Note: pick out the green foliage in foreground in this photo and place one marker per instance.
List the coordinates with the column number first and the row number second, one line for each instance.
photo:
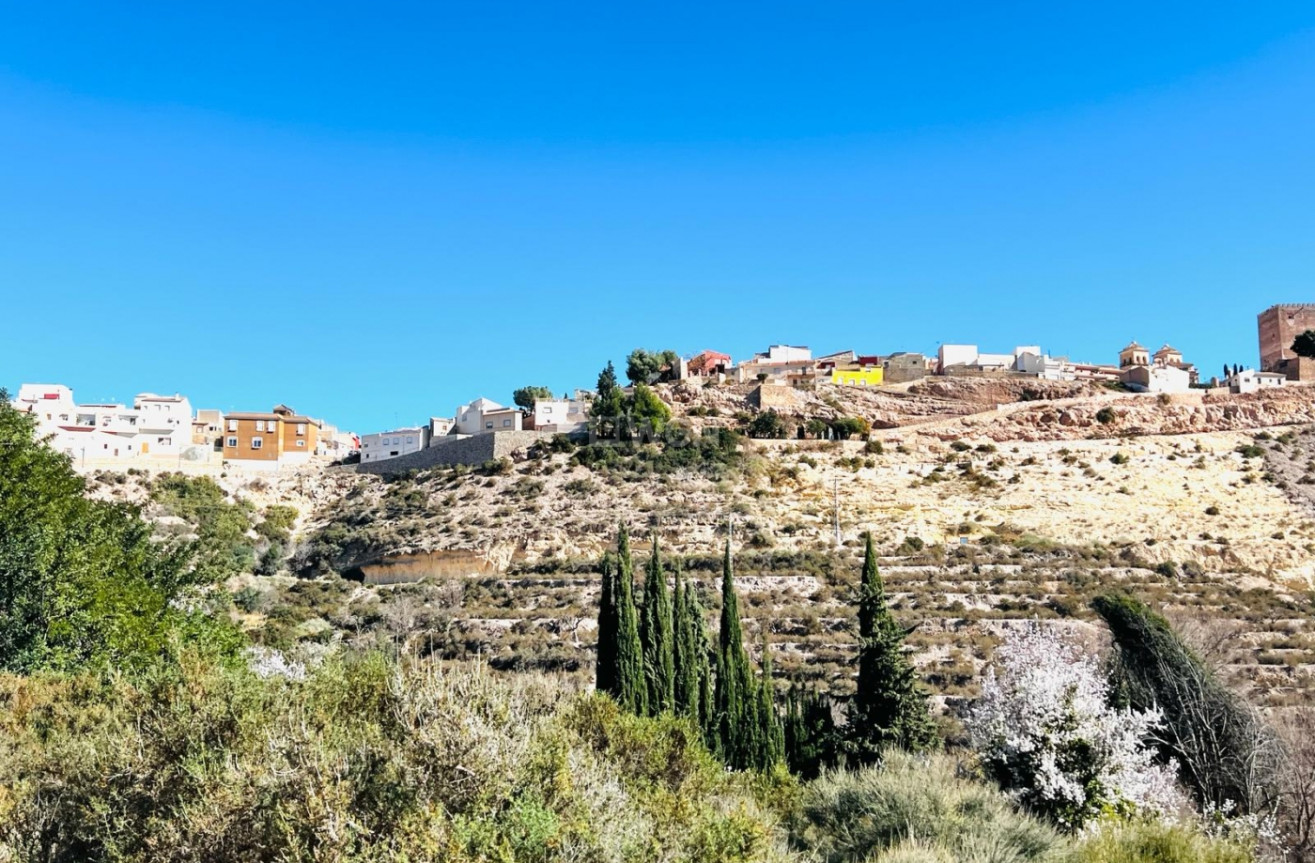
column 368, row 759
column 930, row 809
column 82, row 581
column 364, row 760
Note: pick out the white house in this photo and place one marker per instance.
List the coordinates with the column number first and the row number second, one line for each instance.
column 390, row 444
column 1250, row 381
column 1045, row 367
column 968, row 357
column 560, row 415
column 470, row 417
column 1157, row 379
column 164, row 423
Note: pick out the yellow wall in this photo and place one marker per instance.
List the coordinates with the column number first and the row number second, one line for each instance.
column 857, row 377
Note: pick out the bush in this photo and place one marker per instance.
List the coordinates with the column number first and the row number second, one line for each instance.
column 1105, row 416
column 913, row 805
column 1118, row 458
column 362, row 760
column 1046, row 732
column 1151, row 842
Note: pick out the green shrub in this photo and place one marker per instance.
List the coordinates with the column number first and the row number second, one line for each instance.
column 1105, row 416
column 913, row 805
column 1152, row 842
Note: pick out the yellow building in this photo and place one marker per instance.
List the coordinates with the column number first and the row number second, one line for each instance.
column 862, row 377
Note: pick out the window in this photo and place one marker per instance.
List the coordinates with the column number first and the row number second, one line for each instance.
column 301, row 443
column 257, row 443
column 231, row 442
column 301, row 428
column 506, row 423
column 489, row 424
column 232, row 425
column 547, row 409
column 410, row 439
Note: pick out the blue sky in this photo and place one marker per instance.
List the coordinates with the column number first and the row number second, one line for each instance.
column 375, row 213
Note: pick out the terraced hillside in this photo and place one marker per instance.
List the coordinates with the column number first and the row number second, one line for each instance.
column 541, row 616
column 984, row 515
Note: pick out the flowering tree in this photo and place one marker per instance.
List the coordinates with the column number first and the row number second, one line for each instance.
column 1045, row 730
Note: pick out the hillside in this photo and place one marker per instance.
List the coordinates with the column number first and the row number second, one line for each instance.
column 984, row 512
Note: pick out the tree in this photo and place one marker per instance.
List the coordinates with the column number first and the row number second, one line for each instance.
column 889, row 707
column 645, row 406
column 631, row 687
column 1304, row 344
column 607, row 674
column 81, row 581
column 1227, row 753
column 655, row 632
column 846, row 427
column 767, row 424
column 644, row 367
column 607, row 406
column 1046, row 731
column 735, row 696
column 809, row 732
column 525, row 397
column 769, row 743
column 693, row 673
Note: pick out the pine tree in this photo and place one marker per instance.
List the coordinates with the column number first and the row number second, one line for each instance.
column 631, row 689
column 655, row 631
column 605, row 678
column 684, row 689
column 735, row 703
column 889, row 707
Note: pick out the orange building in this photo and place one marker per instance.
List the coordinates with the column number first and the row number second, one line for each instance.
column 271, row 439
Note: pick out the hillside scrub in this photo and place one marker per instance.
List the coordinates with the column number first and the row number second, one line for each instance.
column 365, row 759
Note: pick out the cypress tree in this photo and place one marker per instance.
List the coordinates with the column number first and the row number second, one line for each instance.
column 770, row 743
column 632, row 691
column 605, row 678
column 889, row 706
column 809, row 733
column 684, row 690
column 655, row 631
column 735, row 703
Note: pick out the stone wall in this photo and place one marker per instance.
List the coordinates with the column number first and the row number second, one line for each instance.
column 472, row 450
column 774, row 396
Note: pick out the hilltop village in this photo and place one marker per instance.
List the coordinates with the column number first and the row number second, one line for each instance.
column 165, row 432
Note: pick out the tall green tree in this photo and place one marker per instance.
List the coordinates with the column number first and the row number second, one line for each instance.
column 811, row 740
column 693, row 690
column 81, row 581
column 631, row 686
column 769, row 744
column 608, row 405
column 735, row 696
column 656, row 634
column 889, row 707
column 606, row 670
column 650, row 367
column 1225, row 750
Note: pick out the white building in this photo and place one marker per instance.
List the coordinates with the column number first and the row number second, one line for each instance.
column 470, row 417
column 1250, row 381
column 155, row 425
column 1046, row 367
column 1157, row 379
column 391, row 444
column 1024, row 358
column 560, row 415
column 485, row 415
column 164, row 423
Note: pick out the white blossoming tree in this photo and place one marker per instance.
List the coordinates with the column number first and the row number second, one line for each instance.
column 1045, row 730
